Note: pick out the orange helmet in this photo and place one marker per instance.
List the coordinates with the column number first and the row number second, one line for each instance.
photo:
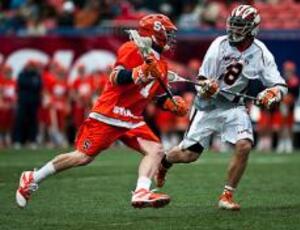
column 160, row 28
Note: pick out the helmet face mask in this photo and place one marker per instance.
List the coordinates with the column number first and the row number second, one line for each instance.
column 171, row 40
column 242, row 24
column 238, row 29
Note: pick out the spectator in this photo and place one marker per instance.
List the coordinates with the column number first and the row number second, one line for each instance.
column 285, row 113
column 210, row 14
column 14, row 4
column 81, row 95
column 36, row 17
column 190, row 18
column 7, row 105
column 29, row 86
column 59, row 106
column 89, row 15
column 66, row 18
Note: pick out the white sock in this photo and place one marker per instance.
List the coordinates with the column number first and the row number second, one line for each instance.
column 289, row 145
column 47, row 170
column 143, row 183
column 228, row 188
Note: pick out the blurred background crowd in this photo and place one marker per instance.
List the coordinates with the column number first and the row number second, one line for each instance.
column 41, row 106
column 37, row 17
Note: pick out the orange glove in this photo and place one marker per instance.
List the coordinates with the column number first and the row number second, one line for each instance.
column 154, row 69
column 181, row 107
column 269, row 97
column 147, row 71
column 209, row 88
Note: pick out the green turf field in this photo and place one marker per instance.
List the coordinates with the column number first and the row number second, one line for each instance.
column 97, row 196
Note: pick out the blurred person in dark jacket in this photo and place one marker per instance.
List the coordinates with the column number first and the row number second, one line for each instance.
column 29, row 87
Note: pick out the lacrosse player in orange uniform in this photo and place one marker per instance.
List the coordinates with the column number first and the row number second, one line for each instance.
column 117, row 115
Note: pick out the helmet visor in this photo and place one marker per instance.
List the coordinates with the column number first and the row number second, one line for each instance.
column 171, row 39
column 238, row 29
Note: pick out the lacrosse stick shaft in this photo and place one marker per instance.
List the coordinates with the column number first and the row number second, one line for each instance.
column 176, row 78
column 239, row 95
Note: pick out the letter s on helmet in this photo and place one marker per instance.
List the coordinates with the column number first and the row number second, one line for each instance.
column 159, row 28
column 242, row 24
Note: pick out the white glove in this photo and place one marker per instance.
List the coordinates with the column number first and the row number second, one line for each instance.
column 208, row 89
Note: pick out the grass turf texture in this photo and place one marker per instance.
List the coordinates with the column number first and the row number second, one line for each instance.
column 97, row 196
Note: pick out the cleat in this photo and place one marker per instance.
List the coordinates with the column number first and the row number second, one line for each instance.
column 160, row 177
column 144, row 198
column 26, row 187
column 226, row 202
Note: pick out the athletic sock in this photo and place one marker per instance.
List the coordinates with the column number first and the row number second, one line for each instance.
column 47, row 170
column 165, row 163
column 228, row 188
column 143, row 183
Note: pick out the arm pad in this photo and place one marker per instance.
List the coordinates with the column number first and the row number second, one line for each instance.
column 160, row 100
column 121, row 77
column 124, row 77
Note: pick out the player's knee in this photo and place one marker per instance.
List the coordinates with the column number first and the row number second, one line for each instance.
column 243, row 147
column 157, row 150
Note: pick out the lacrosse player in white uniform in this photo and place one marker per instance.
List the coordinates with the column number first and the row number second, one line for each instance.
column 229, row 64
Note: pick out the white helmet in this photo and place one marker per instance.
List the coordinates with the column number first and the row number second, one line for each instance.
column 243, row 23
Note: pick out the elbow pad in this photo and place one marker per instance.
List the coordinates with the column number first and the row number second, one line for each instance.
column 120, row 76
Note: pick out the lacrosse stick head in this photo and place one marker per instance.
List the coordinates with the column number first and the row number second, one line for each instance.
column 143, row 43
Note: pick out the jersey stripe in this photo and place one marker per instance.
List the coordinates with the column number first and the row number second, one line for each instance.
column 115, row 122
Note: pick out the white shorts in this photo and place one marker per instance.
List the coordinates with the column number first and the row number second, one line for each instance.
column 231, row 124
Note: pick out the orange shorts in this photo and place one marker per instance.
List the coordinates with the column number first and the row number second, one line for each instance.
column 95, row 136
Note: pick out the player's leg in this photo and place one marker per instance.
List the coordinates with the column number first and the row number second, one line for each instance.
column 89, row 143
column 196, row 138
column 176, row 155
column 144, row 141
column 238, row 162
column 152, row 155
column 238, row 131
column 29, row 180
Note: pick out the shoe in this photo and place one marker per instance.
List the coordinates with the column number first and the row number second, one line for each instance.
column 17, row 146
column 26, row 187
column 226, row 202
column 160, row 177
column 32, row 146
column 144, row 198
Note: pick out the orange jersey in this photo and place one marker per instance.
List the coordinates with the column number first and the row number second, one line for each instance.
column 84, row 87
column 57, row 90
column 123, row 105
column 8, row 90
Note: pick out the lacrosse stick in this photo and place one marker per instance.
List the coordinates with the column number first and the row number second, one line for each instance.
column 144, row 45
column 174, row 77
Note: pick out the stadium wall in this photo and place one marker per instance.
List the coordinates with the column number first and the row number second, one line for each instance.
column 98, row 51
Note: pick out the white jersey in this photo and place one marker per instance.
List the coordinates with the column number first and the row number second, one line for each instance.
column 233, row 70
